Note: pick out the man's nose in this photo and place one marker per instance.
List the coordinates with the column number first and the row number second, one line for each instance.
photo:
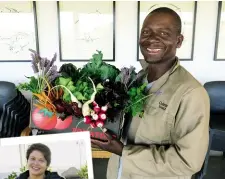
column 153, row 37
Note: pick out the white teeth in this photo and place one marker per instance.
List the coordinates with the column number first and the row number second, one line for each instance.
column 35, row 168
column 153, row 50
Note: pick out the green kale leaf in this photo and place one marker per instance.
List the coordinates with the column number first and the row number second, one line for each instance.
column 99, row 70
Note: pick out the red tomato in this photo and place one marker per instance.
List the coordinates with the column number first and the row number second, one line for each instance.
column 64, row 124
column 44, row 119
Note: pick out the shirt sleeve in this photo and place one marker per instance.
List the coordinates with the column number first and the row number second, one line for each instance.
column 186, row 156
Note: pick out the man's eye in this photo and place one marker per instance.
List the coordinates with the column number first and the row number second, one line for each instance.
column 145, row 32
column 164, row 34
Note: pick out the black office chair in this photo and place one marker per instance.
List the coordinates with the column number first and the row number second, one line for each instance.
column 14, row 110
column 216, row 92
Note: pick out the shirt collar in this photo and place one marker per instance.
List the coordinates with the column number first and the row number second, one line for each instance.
column 162, row 80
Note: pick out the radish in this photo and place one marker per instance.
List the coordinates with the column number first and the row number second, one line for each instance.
column 102, row 116
column 92, row 112
column 97, row 108
column 94, row 103
column 87, row 119
column 95, row 117
column 93, row 124
column 104, row 108
column 99, row 123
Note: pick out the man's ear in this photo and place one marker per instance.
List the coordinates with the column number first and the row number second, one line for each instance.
column 180, row 39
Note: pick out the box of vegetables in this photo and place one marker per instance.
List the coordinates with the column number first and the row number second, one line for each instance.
column 72, row 99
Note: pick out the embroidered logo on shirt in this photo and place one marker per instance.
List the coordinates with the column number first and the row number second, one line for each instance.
column 162, row 105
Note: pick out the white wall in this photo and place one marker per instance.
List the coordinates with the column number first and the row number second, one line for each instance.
column 202, row 67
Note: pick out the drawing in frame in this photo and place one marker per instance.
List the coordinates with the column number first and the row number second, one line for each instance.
column 19, row 31
column 83, row 29
column 186, row 10
column 219, row 52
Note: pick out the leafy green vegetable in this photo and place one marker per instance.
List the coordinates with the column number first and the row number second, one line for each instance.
column 69, row 70
column 45, row 71
column 136, row 101
column 32, row 85
column 97, row 69
column 63, row 81
column 82, row 90
column 126, row 76
column 130, row 78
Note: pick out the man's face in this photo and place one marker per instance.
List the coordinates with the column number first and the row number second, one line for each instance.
column 159, row 38
column 37, row 164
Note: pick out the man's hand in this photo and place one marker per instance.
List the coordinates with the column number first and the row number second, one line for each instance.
column 111, row 145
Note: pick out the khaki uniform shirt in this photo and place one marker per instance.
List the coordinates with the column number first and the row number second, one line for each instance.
column 171, row 140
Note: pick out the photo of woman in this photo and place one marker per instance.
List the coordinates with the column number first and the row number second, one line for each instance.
column 38, row 160
column 54, row 156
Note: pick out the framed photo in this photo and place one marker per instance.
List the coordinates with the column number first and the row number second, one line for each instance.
column 219, row 53
column 67, row 155
column 18, row 31
column 85, row 27
column 186, row 10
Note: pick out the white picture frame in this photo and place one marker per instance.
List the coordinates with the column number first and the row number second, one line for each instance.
column 219, row 53
column 18, row 32
column 85, row 27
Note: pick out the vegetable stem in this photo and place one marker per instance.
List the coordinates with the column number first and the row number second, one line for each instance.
column 78, row 124
column 139, row 100
column 73, row 98
column 86, row 109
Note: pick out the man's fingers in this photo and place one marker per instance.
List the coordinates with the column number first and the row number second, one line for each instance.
column 94, row 146
column 108, row 134
column 98, row 142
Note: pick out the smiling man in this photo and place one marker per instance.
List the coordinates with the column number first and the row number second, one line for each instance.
column 171, row 140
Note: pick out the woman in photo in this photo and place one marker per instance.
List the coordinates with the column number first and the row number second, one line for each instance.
column 38, row 160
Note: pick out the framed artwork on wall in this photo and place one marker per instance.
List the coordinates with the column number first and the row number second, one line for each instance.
column 219, row 53
column 18, row 32
column 85, row 27
column 186, row 10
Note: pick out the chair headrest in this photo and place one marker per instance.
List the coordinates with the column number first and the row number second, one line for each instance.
column 8, row 91
column 216, row 92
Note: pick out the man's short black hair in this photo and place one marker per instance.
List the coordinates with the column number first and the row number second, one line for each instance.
column 41, row 148
column 167, row 10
